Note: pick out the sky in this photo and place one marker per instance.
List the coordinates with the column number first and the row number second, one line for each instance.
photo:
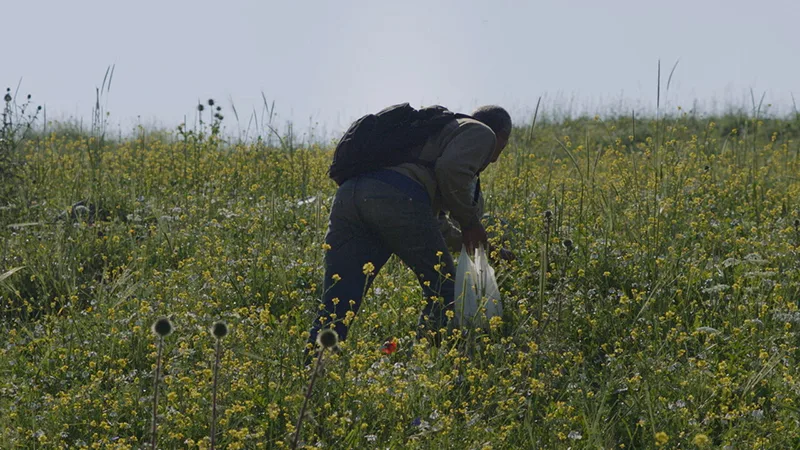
column 325, row 63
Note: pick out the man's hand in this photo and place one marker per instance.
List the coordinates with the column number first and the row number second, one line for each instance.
column 507, row 255
column 474, row 237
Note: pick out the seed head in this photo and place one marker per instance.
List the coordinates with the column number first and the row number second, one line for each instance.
column 219, row 108
column 29, row 96
column 706, row 168
column 796, row 223
column 162, row 327
column 548, row 214
column 201, row 107
column 327, row 338
column 568, row 244
column 211, row 102
column 7, row 98
column 219, row 330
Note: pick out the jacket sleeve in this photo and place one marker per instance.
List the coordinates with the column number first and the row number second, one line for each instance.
column 461, row 159
column 450, row 232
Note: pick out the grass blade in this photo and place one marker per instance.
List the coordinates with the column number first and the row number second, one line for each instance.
column 6, row 275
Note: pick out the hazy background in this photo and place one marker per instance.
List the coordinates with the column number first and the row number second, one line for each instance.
column 324, row 63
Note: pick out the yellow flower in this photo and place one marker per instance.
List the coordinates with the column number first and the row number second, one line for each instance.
column 369, row 268
column 661, row 438
column 701, row 440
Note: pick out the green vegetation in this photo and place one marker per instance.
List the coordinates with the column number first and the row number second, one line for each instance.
column 656, row 306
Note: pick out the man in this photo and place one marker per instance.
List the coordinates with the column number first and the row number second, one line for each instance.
column 395, row 211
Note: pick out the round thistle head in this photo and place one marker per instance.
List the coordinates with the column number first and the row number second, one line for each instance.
column 7, row 98
column 327, row 338
column 568, row 244
column 211, row 102
column 162, row 327
column 219, row 330
column 548, row 214
column 201, row 107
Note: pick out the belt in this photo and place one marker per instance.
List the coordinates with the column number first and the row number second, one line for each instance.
column 401, row 182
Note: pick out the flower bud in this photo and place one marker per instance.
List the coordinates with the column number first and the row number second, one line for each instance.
column 219, row 330
column 327, row 338
column 162, row 327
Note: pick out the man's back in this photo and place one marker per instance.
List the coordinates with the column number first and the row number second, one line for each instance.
column 461, row 149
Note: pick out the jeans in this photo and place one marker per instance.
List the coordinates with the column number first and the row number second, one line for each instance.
column 374, row 216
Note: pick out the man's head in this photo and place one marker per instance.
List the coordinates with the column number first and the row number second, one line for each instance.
column 498, row 119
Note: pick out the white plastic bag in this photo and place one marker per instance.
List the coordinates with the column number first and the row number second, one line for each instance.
column 476, row 288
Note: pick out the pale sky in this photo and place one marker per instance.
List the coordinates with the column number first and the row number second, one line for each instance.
column 328, row 62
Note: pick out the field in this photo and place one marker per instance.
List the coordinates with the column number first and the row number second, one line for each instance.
column 670, row 322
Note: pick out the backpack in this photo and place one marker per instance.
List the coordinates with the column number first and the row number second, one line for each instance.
column 393, row 136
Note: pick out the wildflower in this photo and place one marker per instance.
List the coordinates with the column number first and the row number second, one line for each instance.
column 211, row 102
column 661, row 438
column 389, row 347
column 201, row 107
column 369, row 268
column 701, row 440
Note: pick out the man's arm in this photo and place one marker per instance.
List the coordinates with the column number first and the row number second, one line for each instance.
column 450, row 232
column 456, row 168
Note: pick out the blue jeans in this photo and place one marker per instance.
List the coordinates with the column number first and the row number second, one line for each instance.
column 374, row 216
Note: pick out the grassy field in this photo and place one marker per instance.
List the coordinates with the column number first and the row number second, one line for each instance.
column 671, row 322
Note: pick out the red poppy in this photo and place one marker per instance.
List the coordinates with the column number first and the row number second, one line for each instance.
column 389, row 347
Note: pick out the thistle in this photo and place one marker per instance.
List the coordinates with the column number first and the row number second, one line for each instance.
column 219, row 330
column 327, row 339
column 568, row 245
column 161, row 328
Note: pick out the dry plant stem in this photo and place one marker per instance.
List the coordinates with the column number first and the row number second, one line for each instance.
column 543, row 267
column 305, row 401
column 214, row 396
column 155, row 392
